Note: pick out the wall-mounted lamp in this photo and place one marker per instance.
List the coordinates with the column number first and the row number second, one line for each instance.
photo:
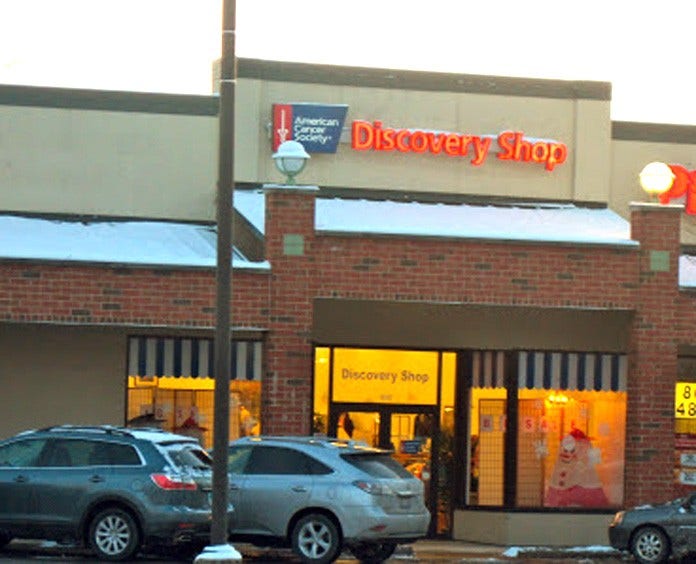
column 557, row 399
column 290, row 159
column 656, row 178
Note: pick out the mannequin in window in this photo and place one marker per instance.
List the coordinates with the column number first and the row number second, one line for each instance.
column 346, row 423
column 423, row 426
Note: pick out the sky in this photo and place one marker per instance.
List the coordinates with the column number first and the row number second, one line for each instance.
column 644, row 48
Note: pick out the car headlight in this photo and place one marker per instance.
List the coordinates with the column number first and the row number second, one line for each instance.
column 618, row 518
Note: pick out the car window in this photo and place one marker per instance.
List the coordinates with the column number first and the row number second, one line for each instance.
column 187, row 455
column 22, row 453
column 280, row 460
column 103, row 453
column 377, row 465
column 237, row 459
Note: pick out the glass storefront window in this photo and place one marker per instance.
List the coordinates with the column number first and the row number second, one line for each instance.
column 169, row 386
column 184, row 405
column 570, row 448
column 487, row 446
column 320, row 416
column 570, row 442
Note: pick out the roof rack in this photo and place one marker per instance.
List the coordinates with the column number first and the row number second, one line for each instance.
column 319, row 440
column 105, row 429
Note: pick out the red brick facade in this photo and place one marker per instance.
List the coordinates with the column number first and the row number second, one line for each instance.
column 399, row 269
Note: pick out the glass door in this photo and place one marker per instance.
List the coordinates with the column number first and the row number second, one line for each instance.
column 412, row 433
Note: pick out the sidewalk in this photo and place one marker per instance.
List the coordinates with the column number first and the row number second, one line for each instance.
column 460, row 550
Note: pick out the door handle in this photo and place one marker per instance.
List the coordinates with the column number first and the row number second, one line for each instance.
column 96, row 479
column 233, row 486
column 299, row 489
column 21, row 479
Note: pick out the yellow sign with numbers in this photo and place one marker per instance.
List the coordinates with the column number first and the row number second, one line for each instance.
column 685, row 400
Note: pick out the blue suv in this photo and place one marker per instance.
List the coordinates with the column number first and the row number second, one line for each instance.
column 111, row 489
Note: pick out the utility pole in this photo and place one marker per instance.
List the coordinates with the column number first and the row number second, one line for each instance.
column 225, row 193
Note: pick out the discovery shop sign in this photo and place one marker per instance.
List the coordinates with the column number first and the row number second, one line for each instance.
column 511, row 145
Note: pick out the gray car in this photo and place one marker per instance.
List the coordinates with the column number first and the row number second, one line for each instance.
column 321, row 495
column 109, row 488
column 653, row 533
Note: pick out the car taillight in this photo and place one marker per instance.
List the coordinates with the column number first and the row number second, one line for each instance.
column 169, row 482
column 373, row 488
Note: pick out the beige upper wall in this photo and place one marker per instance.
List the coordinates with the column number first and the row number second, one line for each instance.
column 57, row 160
column 583, row 125
column 146, row 155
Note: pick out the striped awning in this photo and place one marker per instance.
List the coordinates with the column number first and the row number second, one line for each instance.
column 174, row 356
column 543, row 370
column 572, row 371
column 488, row 369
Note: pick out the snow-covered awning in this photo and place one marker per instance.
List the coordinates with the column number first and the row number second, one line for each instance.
column 155, row 243
column 546, row 223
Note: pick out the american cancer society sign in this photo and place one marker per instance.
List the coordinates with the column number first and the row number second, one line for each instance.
column 317, row 126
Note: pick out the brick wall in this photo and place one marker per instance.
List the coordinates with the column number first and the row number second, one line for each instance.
column 32, row 292
column 306, row 265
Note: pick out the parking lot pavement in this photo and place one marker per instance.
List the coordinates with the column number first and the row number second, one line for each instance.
column 425, row 551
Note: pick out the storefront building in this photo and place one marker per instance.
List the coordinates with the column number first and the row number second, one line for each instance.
column 465, row 274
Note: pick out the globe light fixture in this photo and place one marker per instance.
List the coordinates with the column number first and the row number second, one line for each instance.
column 290, row 159
column 656, row 178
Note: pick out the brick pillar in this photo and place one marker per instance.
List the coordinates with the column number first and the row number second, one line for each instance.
column 653, row 355
column 287, row 383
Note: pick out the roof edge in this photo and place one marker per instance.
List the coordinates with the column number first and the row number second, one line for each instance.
column 402, row 79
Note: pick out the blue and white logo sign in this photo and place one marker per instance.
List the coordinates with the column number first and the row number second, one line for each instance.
column 317, row 126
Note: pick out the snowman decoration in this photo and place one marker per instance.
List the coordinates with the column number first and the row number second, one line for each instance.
column 574, row 481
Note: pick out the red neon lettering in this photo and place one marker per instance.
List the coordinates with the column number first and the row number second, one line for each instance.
column 466, row 141
column 377, row 129
column 362, row 136
column 521, row 146
column 481, row 147
column 435, row 141
column 684, row 184
column 388, row 139
column 452, row 144
column 401, row 144
column 540, row 152
column 505, row 143
column 513, row 145
column 557, row 155
column 419, row 142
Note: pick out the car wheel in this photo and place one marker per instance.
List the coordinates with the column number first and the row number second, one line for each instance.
column 650, row 545
column 315, row 539
column 114, row 535
column 373, row 552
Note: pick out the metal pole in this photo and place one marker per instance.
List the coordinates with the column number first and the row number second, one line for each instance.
column 225, row 193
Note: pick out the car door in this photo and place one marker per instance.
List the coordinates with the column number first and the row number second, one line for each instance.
column 19, row 460
column 684, row 522
column 69, row 478
column 277, row 483
column 238, row 458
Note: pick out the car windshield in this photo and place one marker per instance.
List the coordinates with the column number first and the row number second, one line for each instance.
column 377, row 465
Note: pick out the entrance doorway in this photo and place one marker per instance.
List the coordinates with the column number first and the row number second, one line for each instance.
column 412, row 432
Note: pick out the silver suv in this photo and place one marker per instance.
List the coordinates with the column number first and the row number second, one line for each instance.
column 321, row 495
column 109, row 488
